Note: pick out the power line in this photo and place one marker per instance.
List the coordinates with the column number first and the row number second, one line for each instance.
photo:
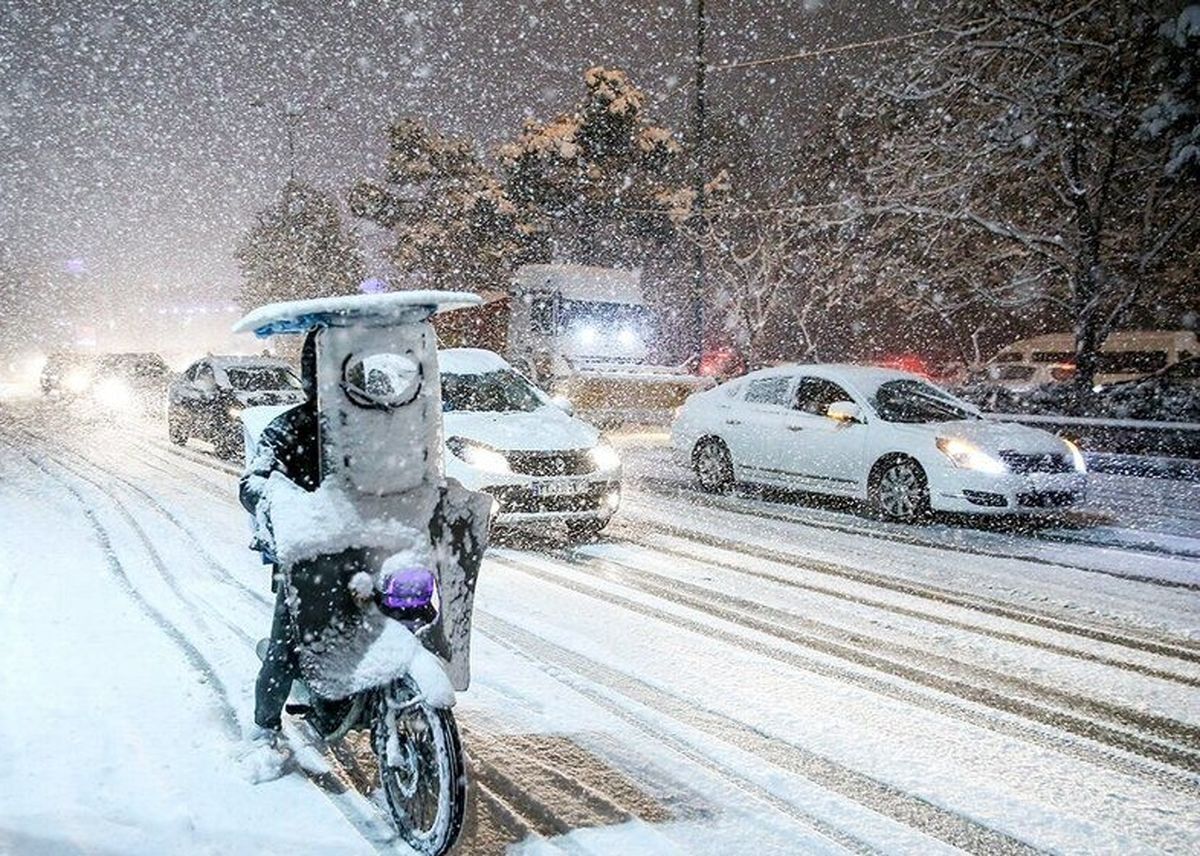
column 887, row 40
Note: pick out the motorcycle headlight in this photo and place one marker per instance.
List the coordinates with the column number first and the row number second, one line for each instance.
column 1076, row 456
column 966, row 455
column 605, row 457
column 478, row 455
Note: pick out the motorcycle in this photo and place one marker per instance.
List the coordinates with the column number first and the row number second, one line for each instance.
column 380, row 561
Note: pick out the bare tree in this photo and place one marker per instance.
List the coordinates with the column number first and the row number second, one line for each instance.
column 1019, row 164
column 298, row 249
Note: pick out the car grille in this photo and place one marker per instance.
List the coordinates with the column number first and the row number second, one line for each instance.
column 519, row 499
column 1048, row 499
column 1042, row 463
column 573, row 462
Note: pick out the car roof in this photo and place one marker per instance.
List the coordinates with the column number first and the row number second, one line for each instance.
column 233, row 361
column 466, row 361
column 850, row 373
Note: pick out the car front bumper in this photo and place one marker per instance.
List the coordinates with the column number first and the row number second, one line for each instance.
column 1011, row 493
column 529, row 502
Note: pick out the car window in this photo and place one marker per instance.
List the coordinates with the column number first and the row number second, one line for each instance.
column 770, row 390
column 915, row 401
column 1118, row 362
column 205, row 379
column 1053, row 356
column 1185, row 370
column 815, row 394
column 1012, row 372
column 261, row 378
column 502, row 391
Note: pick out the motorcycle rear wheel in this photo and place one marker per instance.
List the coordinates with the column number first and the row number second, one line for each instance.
column 421, row 768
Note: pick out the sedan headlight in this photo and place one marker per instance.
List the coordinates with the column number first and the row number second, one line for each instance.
column 1076, row 456
column 113, row 393
column 479, row 456
column 605, row 457
column 966, row 455
column 77, row 380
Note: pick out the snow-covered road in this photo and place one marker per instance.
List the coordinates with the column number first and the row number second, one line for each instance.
column 715, row 675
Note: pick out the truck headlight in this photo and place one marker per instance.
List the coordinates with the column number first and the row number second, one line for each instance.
column 966, row 455
column 605, row 457
column 1076, row 456
column 478, row 455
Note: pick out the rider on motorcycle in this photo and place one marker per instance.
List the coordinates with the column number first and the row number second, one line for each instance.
column 288, row 446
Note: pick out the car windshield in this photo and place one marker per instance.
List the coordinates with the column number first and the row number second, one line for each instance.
column 261, row 378
column 914, row 401
column 134, row 366
column 1012, row 372
column 500, row 391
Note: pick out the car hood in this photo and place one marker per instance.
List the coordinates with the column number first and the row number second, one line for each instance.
column 546, row 429
column 269, row 397
column 996, row 436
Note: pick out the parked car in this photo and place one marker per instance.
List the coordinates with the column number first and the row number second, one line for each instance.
column 889, row 437
column 507, row 438
column 1020, row 377
column 207, row 400
column 67, row 372
column 133, row 382
column 1169, row 395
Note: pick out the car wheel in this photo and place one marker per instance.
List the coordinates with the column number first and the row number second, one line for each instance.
column 900, row 491
column 176, row 432
column 713, row 466
column 584, row 530
column 227, row 448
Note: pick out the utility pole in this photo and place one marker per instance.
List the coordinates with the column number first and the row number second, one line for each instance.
column 699, row 171
column 291, row 118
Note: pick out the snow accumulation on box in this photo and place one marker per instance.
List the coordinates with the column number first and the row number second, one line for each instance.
column 296, row 316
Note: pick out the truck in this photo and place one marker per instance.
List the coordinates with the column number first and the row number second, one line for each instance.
column 584, row 334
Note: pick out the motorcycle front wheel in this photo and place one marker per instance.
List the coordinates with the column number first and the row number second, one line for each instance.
column 420, row 767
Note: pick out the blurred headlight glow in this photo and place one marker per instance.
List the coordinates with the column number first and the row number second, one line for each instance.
column 113, row 393
column 480, row 457
column 966, row 455
column 605, row 457
column 77, row 380
column 1076, row 456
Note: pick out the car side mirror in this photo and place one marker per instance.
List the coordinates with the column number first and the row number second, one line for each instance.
column 564, row 404
column 846, row 412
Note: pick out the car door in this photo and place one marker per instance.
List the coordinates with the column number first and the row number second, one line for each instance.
column 763, row 408
column 819, row 453
column 182, row 396
column 207, row 403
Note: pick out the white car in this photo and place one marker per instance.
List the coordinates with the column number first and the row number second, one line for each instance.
column 873, row 434
column 507, row 438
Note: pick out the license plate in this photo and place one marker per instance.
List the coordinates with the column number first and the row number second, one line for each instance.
column 556, row 488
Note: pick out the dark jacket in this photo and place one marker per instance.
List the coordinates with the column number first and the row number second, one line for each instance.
column 289, row 446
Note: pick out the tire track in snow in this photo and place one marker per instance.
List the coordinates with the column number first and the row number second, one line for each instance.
column 670, row 489
column 597, row 682
column 366, row 820
column 1179, row 769
column 658, row 547
column 192, row 654
column 1177, row 649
